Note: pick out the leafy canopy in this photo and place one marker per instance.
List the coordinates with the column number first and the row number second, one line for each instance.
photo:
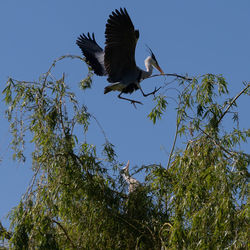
column 77, row 199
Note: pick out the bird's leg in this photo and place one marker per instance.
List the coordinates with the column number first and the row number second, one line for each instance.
column 151, row 93
column 127, row 99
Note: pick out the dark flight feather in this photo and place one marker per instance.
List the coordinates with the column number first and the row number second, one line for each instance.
column 93, row 53
column 121, row 39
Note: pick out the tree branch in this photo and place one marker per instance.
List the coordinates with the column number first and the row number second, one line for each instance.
column 176, row 75
column 232, row 102
column 65, row 232
column 175, row 138
column 54, row 63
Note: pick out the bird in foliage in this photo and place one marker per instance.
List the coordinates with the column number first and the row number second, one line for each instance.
column 117, row 60
column 132, row 182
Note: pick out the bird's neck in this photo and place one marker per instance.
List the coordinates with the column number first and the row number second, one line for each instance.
column 149, row 68
column 126, row 177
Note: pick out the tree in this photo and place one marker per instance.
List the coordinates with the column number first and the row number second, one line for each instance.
column 198, row 201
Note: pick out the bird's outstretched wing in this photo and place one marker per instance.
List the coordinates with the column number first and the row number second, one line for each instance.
column 121, row 39
column 93, row 53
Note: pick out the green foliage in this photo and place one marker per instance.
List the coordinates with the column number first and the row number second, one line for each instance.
column 77, row 199
column 159, row 108
column 86, row 83
column 206, row 203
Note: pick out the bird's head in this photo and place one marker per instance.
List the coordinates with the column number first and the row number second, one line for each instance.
column 153, row 61
column 125, row 169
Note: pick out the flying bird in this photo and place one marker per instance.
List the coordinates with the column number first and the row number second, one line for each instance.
column 117, row 60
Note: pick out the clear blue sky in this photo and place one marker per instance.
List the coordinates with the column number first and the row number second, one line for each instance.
column 193, row 37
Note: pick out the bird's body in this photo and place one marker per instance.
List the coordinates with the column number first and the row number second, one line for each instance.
column 132, row 182
column 117, row 60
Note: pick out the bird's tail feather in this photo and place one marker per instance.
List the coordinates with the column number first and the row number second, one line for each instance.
column 107, row 89
column 117, row 86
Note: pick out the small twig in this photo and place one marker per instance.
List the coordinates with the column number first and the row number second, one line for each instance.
column 100, row 127
column 53, row 65
column 175, row 89
column 128, row 223
column 60, row 110
column 65, row 232
column 176, row 75
column 175, row 138
column 232, row 102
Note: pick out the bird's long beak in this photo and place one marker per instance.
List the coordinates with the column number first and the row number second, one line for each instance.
column 159, row 68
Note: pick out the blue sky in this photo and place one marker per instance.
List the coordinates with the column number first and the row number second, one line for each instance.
column 193, row 37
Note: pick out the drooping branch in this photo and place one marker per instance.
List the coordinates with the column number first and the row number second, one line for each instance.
column 54, row 63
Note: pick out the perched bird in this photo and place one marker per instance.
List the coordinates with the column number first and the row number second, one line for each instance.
column 132, row 182
column 117, row 60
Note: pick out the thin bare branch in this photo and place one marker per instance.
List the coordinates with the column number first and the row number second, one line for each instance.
column 54, row 63
column 175, row 75
column 173, row 146
column 232, row 102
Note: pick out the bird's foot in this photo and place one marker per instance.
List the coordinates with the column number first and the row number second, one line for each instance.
column 130, row 100
column 134, row 102
column 151, row 93
column 156, row 90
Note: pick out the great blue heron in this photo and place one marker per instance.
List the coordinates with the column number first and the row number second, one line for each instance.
column 132, row 182
column 117, row 61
